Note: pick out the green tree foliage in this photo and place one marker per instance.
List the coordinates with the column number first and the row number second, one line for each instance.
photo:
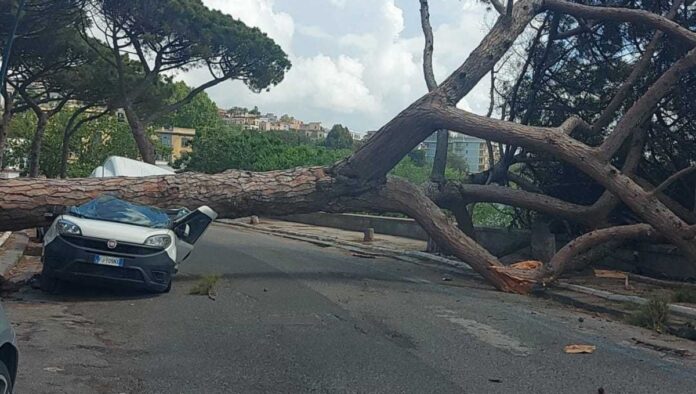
column 175, row 35
column 418, row 157
column 493, row 215
column 200, row 114
column 580, row 75
column 253, row 151
column 418, row 172
column 92, row 143
column 339, row 138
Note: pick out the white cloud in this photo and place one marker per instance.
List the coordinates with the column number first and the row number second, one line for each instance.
column 338, row 3
column 361, row 76
column 259, row 13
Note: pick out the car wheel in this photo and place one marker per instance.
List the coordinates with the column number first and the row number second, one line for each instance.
column 49, row 284
column 5, row 379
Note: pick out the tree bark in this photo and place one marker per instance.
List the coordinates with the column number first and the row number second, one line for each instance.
column 440, row 160
column 437, row 175
column 620, row 14
column 139, row 130
column 5, row 125
column 35, row 149
column 592, row 239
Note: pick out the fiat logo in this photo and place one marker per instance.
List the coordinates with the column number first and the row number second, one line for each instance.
column 111, row 244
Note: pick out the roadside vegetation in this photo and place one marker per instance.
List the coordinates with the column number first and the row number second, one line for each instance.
column 654, row 315
column 205, row 286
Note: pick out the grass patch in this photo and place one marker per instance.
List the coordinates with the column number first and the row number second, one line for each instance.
column 684, row 295
column 653, row 315
column 205, row 285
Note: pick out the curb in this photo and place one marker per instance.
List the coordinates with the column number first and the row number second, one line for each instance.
column 681, row 310
column 408, row 256
column 11, row 256
column 4, row 236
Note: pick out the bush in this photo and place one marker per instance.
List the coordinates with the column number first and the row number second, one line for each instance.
column 253, row 151
column 653, row 315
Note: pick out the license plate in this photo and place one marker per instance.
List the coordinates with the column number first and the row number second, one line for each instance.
column 108, row 260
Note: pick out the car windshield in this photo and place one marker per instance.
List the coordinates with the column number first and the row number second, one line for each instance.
column 112, row 209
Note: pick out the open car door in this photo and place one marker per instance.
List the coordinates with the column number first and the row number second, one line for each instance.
column 190, row 228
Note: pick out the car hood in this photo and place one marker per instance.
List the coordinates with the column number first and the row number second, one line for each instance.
column 113, row 230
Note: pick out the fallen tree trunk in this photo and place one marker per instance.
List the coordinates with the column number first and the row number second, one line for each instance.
column 24, row 202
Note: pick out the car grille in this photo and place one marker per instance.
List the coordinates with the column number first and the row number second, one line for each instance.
column 107, row 271
column 122, row 248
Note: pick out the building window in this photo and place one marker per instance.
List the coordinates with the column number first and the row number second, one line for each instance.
column 166, row 140
column 186, row 142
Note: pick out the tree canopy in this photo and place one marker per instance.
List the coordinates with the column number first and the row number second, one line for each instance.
column 175, row 35
column 248, row 150
column 339, row 137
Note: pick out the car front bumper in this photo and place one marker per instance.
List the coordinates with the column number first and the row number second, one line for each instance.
column 65, row 259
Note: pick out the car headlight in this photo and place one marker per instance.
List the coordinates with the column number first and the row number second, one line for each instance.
column 159, row 241
column 66, row 227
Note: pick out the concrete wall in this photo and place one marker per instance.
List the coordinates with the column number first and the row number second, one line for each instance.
column 497, row 241
column 653, row 260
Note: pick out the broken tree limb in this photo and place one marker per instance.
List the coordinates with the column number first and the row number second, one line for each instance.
column 673, row 178
column 592, row 239
column 402, row 196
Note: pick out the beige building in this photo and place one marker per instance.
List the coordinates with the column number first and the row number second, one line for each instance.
column 178, row 139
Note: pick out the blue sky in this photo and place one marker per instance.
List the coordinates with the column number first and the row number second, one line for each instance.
column 355, row 62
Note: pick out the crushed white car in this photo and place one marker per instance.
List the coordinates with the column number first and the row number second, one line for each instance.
column 109, row 240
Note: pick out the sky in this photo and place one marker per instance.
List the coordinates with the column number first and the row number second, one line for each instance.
column 355, row 62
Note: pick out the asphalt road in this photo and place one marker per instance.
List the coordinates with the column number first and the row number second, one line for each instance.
column 294, row 317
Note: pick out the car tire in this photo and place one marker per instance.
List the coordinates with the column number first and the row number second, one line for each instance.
column 49, row 284
column 6, row 379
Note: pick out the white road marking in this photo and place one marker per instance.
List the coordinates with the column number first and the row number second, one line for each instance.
column 485, row 333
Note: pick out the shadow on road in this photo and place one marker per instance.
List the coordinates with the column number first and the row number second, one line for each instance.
column 79, row 292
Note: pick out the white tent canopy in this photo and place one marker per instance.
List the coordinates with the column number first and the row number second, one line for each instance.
column 122, row 166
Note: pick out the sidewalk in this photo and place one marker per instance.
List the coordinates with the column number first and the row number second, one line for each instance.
column 381, row 240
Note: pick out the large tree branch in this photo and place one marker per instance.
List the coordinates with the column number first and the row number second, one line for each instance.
column 673, row 178
column 428, row 47
column 559, row 144
column 437, row 174
column 592, row 239
column 639, row 70
column 499, row 7
column 454, row 194
column 645, row 106
column 619, row 14
column 186, row 100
